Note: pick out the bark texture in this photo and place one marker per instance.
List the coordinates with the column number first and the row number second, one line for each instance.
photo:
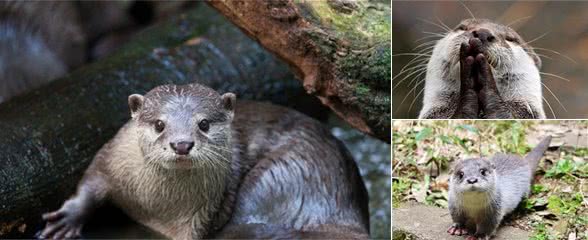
column 339, row 49
column 49, row 136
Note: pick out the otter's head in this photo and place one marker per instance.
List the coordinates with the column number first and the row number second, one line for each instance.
column 184, row 126
column 506, row 51
column 473, row 175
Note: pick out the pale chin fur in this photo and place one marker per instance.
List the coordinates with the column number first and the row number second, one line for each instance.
column 513, row 60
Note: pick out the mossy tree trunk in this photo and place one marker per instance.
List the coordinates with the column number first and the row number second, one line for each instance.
column 49, row 136
column 339, row 49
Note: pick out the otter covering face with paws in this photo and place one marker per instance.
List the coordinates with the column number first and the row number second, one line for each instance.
column 482, row 69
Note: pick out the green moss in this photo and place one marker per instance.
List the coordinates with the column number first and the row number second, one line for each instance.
column 367, row 23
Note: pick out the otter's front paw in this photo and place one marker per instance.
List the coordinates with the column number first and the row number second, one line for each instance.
column 457, row 230
column 491, row 102
column 468, row 98
column 65, row 223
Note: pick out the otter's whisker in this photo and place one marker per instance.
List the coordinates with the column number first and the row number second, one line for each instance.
column 409, row 69
column 427, row 37
column 416, row 97
column 552, row 94
column 549, row 105
column 518, row 20
column 223, row 157
column 435, row 24
column 556, row 52
column 544, row 56
column 417, row 77
column 411, row 66
column 408, row 94
column 468, row 9
column 426, row 45
column 416, row 60
column 555, row 75
column 212, row 153
column 427, row 50
column 419, row 72
column 434, row 34
column 439, row 20
column 410, row 54
column 421, row 68
column 221, row 148
column 537, row 38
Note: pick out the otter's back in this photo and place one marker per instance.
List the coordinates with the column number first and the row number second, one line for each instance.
column 300, row 174
column 514, row 180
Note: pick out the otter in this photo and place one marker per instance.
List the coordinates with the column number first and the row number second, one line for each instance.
column 483, row 191
column 192, row 163
column 482, row 69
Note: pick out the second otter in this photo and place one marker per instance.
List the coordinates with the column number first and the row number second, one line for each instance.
column 192, row 164
column 483, row 191
column 482, row 69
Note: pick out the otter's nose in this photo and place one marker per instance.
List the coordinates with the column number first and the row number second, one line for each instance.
column 472, row 180
column 182, row 148
column 484, row 35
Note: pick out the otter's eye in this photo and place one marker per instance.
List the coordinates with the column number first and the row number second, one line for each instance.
column 483, row 172
column 204, row 125
column 511, row 39
column 460, row 174
column 462, row 27
column 159, row 126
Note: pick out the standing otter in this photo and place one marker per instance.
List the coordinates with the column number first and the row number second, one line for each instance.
column 482, row 191
column 192, row 164
column 482, row 69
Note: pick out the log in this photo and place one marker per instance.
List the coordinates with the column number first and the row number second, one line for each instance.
column 50, row 135
column 338, row 49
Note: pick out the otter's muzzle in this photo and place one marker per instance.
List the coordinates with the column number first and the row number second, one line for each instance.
column 182, row 148
column 484, row 35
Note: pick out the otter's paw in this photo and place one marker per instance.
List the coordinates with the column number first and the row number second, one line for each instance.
column 61, row 224
column 485, row 76
column 476, row 47
column 457, row 230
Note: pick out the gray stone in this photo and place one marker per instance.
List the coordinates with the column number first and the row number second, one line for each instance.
column 417, row 221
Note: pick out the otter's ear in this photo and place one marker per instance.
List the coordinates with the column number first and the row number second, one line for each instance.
column 535, row 58
column 493, row 166
column 135, row 104
column 452, row 166
column 228, row 101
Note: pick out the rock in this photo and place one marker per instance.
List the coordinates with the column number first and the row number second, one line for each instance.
column 417, row 221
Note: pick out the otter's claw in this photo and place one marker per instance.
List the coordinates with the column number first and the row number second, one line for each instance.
column 60, row 225
column 456, row 230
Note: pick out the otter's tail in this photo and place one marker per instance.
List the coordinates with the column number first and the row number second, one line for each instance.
column 535, row 155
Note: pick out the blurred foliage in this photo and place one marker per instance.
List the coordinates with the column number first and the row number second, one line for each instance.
column 557, row 208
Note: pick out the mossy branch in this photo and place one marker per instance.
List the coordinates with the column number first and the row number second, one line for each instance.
column 339, row 49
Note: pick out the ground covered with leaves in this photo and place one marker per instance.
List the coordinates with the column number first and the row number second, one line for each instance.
column 558, row 205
